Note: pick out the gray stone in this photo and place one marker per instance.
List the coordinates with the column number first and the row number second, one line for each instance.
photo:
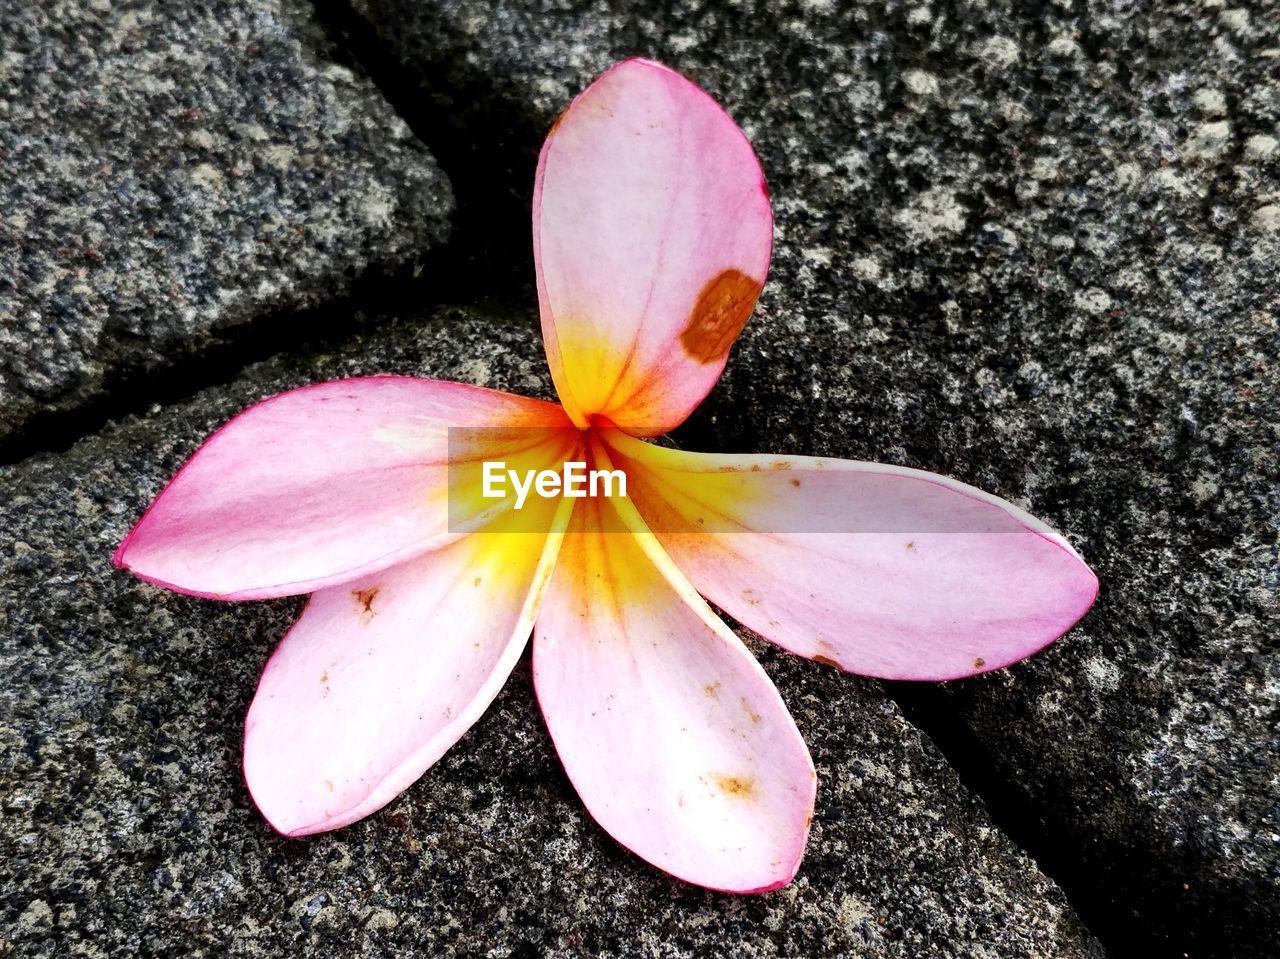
column 127, row 829
column 1032, row 247
column 172, row 171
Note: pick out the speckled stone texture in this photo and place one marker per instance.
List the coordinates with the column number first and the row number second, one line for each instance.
column 127, row 829
column 1033, row 247
column 171, row 170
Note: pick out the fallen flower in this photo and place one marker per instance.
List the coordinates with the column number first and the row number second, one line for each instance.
column 652, row 233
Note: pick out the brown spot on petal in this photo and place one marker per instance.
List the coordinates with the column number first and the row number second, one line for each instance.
column 556, row 122
column 712, row 690
column 718, row 316
column 795, row 482
column 743, row 787
column 979, row 663
column 365, row 598
column 751, row 713
column 826, row 655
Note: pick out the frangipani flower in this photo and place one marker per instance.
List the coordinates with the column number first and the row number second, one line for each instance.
column 652, row 233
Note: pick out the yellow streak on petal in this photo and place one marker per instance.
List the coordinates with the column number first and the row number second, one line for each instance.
column 500, row 548
column 697, row 495
column 592, row 363
column 632, row 522
column 526, row 450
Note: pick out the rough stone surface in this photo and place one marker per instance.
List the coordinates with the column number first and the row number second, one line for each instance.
column 1032, row 247
column 172, row 170
column 127, row 829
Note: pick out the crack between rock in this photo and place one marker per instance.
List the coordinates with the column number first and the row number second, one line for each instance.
column 133, row 391
column 488, row 257
column 1096, row 901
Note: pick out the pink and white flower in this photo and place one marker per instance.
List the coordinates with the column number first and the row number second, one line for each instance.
column 652, row 234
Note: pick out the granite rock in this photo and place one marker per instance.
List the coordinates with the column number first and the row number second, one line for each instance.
column 1032, row 247
column 127, row 829
column 172, row 171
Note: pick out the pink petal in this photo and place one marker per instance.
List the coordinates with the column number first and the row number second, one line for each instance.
column 880, row 570
column 652, row 230
column 379, row 677
column 320, row 485
column 674, row 737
